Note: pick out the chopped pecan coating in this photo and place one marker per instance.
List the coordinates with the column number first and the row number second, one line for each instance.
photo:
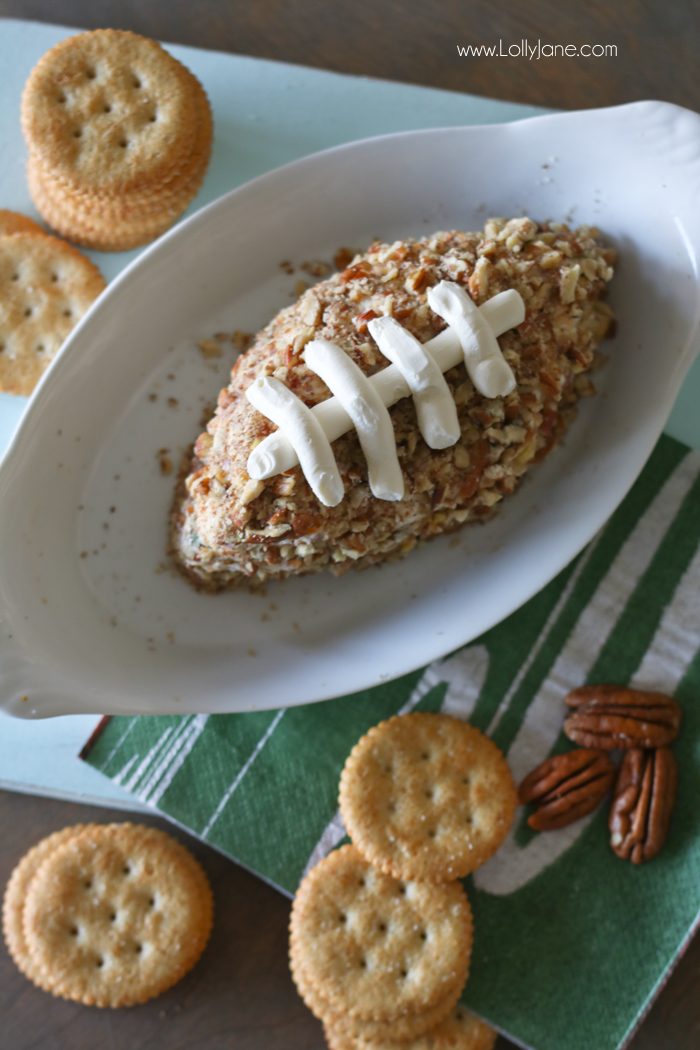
column 225, row 532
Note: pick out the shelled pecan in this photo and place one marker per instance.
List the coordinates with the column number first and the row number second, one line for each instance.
column 641, row 808
column 566, row 787
column 610, row 716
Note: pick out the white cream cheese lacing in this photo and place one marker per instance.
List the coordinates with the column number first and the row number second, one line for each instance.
column 304, row 435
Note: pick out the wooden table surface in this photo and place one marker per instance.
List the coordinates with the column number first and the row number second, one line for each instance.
column 240, row 994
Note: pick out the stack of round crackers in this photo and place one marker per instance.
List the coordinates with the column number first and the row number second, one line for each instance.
column 46, row 286
column 107, row 914
column 381, row 930
column 119, row 136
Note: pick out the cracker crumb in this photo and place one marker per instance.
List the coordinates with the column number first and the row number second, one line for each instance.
column 209, row 348
column 316, row 268
column 343, row 257
column 165, row 461
column 241, row 340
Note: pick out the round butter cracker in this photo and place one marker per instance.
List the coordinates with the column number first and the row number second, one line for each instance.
column 91, row 229
column 407, row 1026
column 116, row 915
column 375, row 947
column 427, row 796
column 126, row 220
column 15, row 222
column 45, row 288
column 462, row 1030
column 16, row 894
column 109, row 111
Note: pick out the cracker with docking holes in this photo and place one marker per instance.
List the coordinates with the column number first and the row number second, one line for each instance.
column 408, row 1026
column 45, row 287
column 151, row 198
column 460, row 1031
column 119, row 135
column 16, row 894
column 109, row 111
column 116, row 915
column 376, row 947
column 15, row 222
column 426, row 796
column 128, row 220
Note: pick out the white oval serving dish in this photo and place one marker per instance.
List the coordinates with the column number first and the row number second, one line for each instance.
column 91, row 620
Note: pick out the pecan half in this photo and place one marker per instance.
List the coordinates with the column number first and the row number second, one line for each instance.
column 566, row 787
column 610, row 716
column 641, row 809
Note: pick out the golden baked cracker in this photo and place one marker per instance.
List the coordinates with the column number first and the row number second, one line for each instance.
column 312, row 998
column 408, row 1026
column 128, row 220
column 109, row 110
column 45, row 287
column 176, row 192
column 114, row 210
column 16, row 894
column 93, row 231
column 462, row 1030
column 148, row 190
column 181, row 183
column 15, row 222
column 375, row 947
column 116, row 915
column 427, row 796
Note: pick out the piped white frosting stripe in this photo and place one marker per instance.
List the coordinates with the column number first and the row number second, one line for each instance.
column 304, row 433
column 488, row 369
column 358, row 401
column 435, row 407
column 275, row 453
column 367, row 411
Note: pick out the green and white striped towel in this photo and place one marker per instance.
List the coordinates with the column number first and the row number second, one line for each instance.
column 571, row 943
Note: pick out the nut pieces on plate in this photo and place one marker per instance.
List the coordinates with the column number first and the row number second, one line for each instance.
column 568, row 786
